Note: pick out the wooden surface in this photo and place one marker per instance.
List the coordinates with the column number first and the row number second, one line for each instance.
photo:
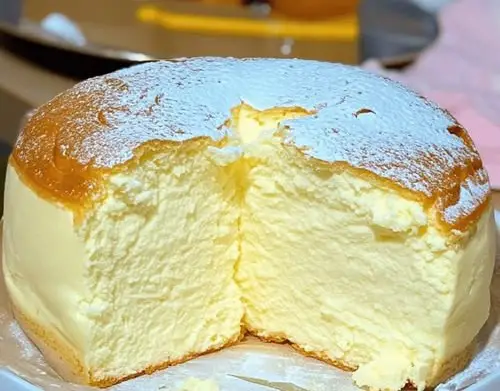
column 116, row 24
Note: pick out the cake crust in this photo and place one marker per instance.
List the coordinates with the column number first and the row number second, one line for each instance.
column 357, row 121
column 67, row 363
column 442, row 371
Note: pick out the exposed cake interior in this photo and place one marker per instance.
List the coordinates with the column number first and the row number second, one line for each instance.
column 247, row 234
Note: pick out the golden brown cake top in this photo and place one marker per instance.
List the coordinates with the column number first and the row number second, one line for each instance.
column 359, row 121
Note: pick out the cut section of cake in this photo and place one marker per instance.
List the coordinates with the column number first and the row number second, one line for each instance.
column 161, row 212
column 145, row 280
column 355, row 274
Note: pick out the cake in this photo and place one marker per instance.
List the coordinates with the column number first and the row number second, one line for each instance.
column 194, row 384
column 163, row 211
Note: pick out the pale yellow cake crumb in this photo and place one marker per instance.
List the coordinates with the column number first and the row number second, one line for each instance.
column 195, row 384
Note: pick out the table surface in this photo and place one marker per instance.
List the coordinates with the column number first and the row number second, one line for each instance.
column 27, row 82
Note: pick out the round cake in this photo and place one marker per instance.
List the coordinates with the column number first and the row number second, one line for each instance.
column 165, row 210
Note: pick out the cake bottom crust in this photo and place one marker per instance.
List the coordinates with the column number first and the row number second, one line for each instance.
column 69, row 364
column 442, row 372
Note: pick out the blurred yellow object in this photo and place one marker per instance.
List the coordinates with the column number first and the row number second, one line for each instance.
column 223, row 2
column 342, row 28
column 314, row 9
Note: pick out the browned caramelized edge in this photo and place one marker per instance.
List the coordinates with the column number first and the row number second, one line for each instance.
column 447, row 195
column 442, row 372
column 78, row 187
column 58, row 354
column 66, row 362
column 83, row 189
column 438, row 202
column 107, row 382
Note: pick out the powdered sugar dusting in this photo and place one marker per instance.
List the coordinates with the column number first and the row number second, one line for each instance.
column 362, row 119
column 26, row 348
column 470, row 191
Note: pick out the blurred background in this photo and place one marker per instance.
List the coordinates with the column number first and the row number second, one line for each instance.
column 447, row 50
